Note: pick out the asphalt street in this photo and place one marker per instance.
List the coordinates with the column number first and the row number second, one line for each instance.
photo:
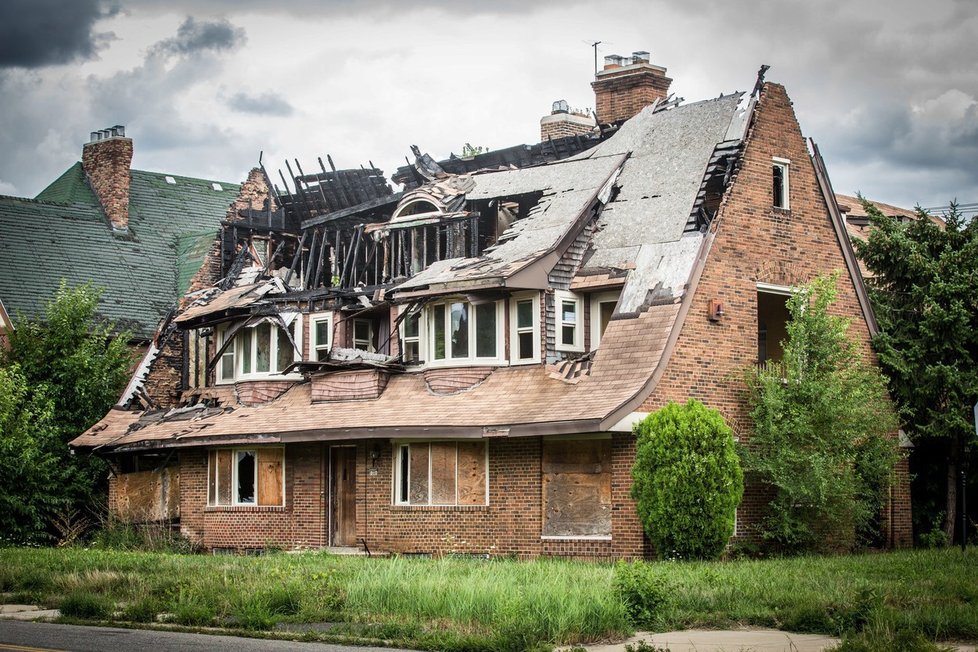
column 31, row 636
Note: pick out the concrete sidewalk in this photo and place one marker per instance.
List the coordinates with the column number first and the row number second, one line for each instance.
column 26, row 612
column 699, row 640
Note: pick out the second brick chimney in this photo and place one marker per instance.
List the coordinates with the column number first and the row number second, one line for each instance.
column 106, row 159
column 627, row 85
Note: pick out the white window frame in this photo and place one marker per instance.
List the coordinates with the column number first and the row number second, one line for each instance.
column 396, row 476
column 252, row 332
column 315, row 346
column 421, row 338
column 514, row 331
column 472, row 359
column 229, row 351
column 234, row 478
column 785, row 165
column 561, row 297
column 370, row 334
column 595, row 314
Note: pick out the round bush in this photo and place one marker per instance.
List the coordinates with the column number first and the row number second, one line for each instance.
column 687, row 480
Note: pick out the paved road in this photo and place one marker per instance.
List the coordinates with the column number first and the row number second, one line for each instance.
column 28, row 636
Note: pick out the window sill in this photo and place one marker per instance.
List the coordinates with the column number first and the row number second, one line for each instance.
column 244, row 508
column 465, row 362
column 575, row 538
column 781, row 211
column 441, row 508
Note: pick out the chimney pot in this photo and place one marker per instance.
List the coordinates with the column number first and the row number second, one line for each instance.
column 640, row 56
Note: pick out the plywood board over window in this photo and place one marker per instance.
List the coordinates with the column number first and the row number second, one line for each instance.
column 270, row 465
column 577, row 488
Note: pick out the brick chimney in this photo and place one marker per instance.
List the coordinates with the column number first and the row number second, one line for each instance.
column 627, row 85
column 106, row 159
column 565, row 121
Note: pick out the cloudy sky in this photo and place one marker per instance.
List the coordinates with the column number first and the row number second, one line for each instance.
column 888, row 89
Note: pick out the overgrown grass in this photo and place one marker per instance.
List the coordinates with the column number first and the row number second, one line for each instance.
column 468, row 604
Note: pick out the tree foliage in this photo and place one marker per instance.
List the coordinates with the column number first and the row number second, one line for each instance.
column 687, row 480
column 822, row 424
column 61, row 374
column 925, row 294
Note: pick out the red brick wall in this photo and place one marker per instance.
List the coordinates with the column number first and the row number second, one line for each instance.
column 756, row 243
column 299, row 524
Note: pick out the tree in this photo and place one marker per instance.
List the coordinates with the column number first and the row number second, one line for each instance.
column 687, row 480
column 823, row 429
column 61, row 375
column 924, row 290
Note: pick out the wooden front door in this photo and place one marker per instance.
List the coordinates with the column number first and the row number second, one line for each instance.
column 343, row 503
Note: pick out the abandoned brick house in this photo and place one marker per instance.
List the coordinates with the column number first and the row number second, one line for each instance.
column 456, row 366
column 139, row 235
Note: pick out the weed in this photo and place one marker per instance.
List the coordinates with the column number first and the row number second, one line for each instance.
column 642, row 646
column 642, row 590
column 86, row 605
column 142, row 610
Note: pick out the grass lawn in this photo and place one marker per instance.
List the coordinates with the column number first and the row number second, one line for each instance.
column 467, row 604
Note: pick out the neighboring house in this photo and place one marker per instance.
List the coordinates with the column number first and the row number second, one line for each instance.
column 456, row 367
column 139, row 235
column 6, row 327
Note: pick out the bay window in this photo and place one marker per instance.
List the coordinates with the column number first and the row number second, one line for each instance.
column 262, row 350
column 411, row 340
column 524, row 337
column 463, row 332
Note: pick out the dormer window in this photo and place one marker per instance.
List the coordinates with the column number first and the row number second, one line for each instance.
column 569, row 316
column 524, row 319
column 321, row 335
column 260, row 351
column 464, row 332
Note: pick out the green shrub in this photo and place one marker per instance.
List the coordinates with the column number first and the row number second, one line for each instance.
column 687, row 480
column 642, row 590
column 86, row 605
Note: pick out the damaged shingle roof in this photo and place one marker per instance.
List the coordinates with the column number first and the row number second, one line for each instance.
column 63, row 234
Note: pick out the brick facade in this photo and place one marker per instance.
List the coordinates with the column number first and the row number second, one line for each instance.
column 561, row 124
column 106, row 164
column 621, row 92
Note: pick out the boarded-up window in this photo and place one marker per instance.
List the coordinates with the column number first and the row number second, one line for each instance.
column 441, row 473
column 235, row 475
column 270, row 467
column 577, row 487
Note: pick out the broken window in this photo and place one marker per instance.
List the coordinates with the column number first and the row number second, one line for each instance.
column 363, row 335
column 525, row 328
column 462, row 332
column 780, row 173
column 260, row 351
column 246, row 477
column 441, row 473
column 772, row 322
column 321, row 332
column 602, row 308
column 570, row 327
column 577, row 488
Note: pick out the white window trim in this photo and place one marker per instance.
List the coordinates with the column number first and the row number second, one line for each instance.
column 234, row 478
column 472, row 360
column 513, row 331
column 230, row 350
column 240, row 376
column 595, row 314
column 314, row 345
column 785, row 165
column 560, row 296
column 398, row 445
column 771, row 288
column 422, row 335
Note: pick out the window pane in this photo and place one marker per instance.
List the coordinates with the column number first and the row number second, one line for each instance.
column 246, row 476
column 442, row 473
column 361, row 329
column 263, row 347
column 460, row 330
column 568, row 310
column 438, row 316
column 286, row 352
column 607, row 309
column 411, row 325
column 485, row 330
column 412, row 351
column 419, row 474
column 524, row 314
column 245, row 340
column 567, row 335
column 778, row 186
column 322, row 332
column 227, row 366
column 403, row 485
column 525, row 346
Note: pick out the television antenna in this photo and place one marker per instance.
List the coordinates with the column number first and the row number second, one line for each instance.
column 595, row 44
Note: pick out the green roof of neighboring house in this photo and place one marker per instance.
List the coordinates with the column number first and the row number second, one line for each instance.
column 63, row 234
